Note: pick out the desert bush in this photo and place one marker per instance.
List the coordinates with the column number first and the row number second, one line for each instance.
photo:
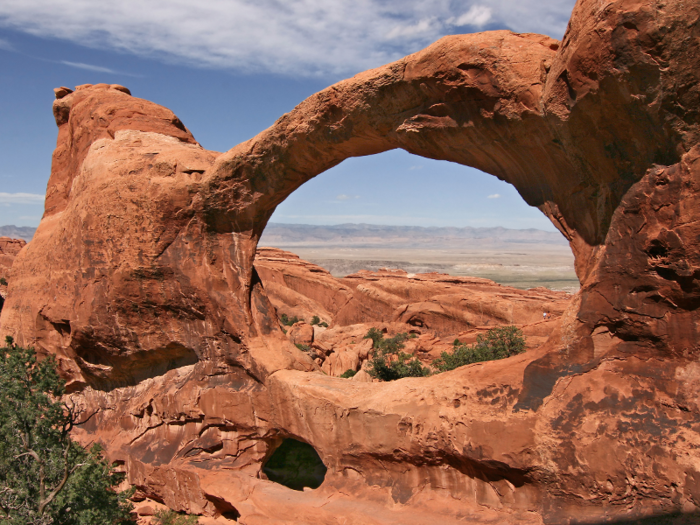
column 303, row 348
column 286, row 321
column 388, row 362
column 348, row 373
column 498, row 343
column 316, row 320
column 170, row 517
column 3, row 281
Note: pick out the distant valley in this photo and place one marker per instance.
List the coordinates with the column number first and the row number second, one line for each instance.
column 523, row 258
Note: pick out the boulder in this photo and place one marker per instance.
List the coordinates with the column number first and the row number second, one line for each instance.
column 301, row 333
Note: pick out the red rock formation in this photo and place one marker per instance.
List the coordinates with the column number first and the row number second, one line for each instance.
column 9, row 248
column 436, row 308
column 441, row 303
column 144, row 262
column 298, row 288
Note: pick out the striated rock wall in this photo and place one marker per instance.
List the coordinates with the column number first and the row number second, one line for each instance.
column 9, row 248
column 141, row 280
column 441, row 303
column 434, row 308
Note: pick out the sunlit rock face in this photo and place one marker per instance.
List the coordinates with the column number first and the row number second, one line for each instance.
column 9, row 248
column 141, row 280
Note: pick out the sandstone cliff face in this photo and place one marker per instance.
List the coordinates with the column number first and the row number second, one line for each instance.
column 9, row 248
column 441, row 303
column 434, row 308
column 141, row 280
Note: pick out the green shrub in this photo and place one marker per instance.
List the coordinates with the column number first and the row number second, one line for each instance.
column 323, row 324
column 3, row 281
column 286, row 321
column 388, row 362
column 315, row 320
column 498, row 343
column 303, row 348
column 376, row 336
column 170, row 517
column 348, row 373
column 45, row 477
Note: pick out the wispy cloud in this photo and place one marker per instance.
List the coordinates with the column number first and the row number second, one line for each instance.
column 413, row 30
column 21, row 198
column 343, row 197
column 89, row 67
column 303, row 37
column 5, row 45
column 477, row 16
column 494, row 196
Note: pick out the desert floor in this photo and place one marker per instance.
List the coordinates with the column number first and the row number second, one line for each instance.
column 523, row 265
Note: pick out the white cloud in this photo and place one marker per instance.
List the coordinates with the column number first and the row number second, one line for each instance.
column 420, row 28
column 89, row 67
column 5, row 45
column 21, row 198
column 343, row 197
column 478, row 16
column 494, row 196
column 301, row 37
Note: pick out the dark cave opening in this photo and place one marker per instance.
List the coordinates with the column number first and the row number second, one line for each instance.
column 296, row 465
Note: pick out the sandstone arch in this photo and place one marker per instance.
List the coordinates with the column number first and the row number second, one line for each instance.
column 145, row 255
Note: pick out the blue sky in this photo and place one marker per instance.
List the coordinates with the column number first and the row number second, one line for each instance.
column 229, row 69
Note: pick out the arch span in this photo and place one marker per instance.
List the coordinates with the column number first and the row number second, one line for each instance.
column 148, row 240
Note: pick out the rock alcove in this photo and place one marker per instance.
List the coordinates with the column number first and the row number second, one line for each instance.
column 148, row 242
column 296, row 465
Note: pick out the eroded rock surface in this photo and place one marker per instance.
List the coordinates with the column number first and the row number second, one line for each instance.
column 141, row 280
column 9, row 248
column 433, row 308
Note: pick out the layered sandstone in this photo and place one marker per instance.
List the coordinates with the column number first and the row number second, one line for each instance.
column 9, row 248
column 441, row 303
column 141, row 280
column 434, row 308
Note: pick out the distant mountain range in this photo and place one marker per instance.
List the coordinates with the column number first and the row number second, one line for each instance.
column 368, row 235
column 17, row 232
column 371, row 235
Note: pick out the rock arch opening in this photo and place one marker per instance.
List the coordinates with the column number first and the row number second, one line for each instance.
column 295, row 465
column 401, row 211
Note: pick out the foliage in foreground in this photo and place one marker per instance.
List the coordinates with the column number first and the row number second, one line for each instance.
column 170, row 517
column 498, row 343
column 45, row 477
column 388, row 361
column 348, row 373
